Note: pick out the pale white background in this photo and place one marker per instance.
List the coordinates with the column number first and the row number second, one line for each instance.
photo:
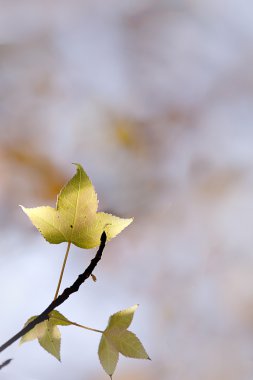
column 155, row 100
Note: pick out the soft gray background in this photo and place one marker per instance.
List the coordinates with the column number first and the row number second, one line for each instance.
column 155, row 99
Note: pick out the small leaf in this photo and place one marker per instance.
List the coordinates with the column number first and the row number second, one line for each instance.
column 35, row 333
column 75, row 218
column 51, row 339
column 59, row 318
column 108, row 355
column 47, row 333
column 117, row 339
column 129, row 345
column 123, row 318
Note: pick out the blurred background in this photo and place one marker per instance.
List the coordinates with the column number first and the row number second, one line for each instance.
column 155, row 99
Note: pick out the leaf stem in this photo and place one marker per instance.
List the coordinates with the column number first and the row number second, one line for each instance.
column 86, row 327
column 78, row 325
column 62, row 270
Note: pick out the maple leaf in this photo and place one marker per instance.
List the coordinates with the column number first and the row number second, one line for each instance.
column 117, row 339
column 47, row 333
column 75, row 218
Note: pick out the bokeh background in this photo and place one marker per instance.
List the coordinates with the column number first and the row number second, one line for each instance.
column 155, row 99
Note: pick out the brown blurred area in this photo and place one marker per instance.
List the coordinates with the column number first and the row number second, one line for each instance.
column 154, row 98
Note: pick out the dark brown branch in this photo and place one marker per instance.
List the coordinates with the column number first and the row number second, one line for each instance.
column 61, row 298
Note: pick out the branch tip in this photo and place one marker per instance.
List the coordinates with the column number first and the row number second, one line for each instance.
column 5, row 363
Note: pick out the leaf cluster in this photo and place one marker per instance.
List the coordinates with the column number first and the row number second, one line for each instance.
column 76, row 220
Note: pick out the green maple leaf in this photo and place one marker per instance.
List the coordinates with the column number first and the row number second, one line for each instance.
column 47, row 333
column 117, row 339
column 75, row 218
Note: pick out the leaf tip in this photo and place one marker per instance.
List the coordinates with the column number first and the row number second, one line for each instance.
column 134, row 307
column 79, row 166
column 56, row 354
column 130, row 220
column 25, row 210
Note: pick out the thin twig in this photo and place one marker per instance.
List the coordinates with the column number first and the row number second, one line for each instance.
column 62, row 297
